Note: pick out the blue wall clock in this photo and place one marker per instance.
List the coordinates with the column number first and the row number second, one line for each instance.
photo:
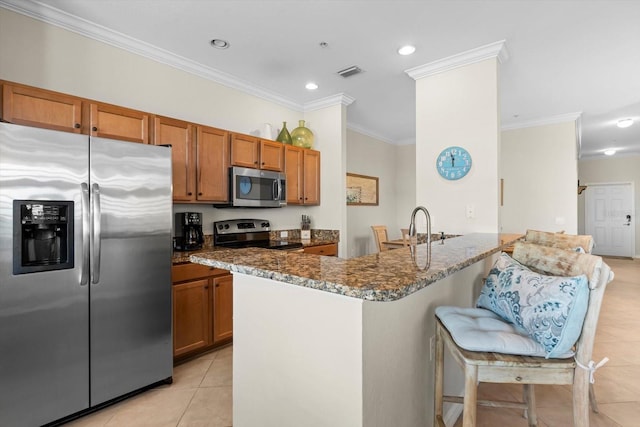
column 453, row 163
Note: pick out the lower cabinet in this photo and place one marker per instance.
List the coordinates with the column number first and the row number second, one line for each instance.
column 202, row 308
column 330, row 249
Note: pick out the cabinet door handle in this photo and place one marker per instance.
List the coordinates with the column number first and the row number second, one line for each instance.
column 95, row 129
column 77, row 126
column 217, row 286
column 206, row 287
column 189, row 193
column 199, row 194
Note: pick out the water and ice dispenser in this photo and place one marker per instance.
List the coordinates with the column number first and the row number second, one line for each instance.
column 42, row 235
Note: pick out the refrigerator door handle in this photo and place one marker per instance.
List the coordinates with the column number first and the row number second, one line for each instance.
column 96, row 238
column 86, row 224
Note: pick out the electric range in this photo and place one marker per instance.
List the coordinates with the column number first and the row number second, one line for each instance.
column 248, row 233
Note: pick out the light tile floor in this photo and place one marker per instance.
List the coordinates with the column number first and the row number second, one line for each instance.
column 200, row 395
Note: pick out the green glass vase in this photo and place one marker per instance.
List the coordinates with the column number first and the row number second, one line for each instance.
column 302, row 136
column 284, row 135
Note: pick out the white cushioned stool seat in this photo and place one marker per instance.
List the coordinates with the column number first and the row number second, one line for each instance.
column 478, row 329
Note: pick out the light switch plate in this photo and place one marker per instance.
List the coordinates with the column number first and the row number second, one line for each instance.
column 471, row 211
column 284, row 234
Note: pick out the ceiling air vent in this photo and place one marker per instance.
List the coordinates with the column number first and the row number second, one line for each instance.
column 350, row 71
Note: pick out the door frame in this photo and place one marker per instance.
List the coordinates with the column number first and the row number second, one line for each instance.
column 633, row 209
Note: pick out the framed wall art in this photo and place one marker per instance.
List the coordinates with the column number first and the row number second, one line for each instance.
column 362, row 190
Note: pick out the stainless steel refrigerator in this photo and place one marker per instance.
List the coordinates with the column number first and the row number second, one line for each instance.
column 85, row 272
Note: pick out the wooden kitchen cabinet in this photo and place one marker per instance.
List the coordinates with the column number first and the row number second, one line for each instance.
column 271, row 155
column 222, row 308
column 244, row 151
column 250, row 152
column 212, row 168
column 190, row 316
column 202, row 308
column 114, row 122
column 179, row 135
column 330, row 249
column 302, row 167
column 30, row 106
column 200, row 165
column 41, row 108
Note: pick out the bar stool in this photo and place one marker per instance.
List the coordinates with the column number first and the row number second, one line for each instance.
column 491, row 349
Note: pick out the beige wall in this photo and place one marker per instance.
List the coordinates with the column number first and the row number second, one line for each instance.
column 459, row 107
column 371, row 157
column 405, row 184
column 42, row 55
column 540, row 173
column 611, row 170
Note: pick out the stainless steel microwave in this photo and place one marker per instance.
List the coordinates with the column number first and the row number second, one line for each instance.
column 255, row 188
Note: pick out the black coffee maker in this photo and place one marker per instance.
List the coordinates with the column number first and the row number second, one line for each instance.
column 188, row 229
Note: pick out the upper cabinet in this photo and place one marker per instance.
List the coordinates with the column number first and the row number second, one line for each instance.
column 200, row 165
column 212, row 154
column 271, row 155
column 35, row 107
column 302, row 167
column 41, row 108
column 251, row 152
column 201, row 155
column 110, row 121
column 179, row 135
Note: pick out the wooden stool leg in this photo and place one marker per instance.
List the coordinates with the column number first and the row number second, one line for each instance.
column 439, row 374
column 592, row 399
column 470, row 396
column 581, row 398
column 530, row 400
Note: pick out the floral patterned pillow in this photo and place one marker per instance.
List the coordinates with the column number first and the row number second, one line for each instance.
column 550, row 309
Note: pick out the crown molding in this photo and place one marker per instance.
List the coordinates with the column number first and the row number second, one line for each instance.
column 341, row 98
column 64, row 20
column 551, row 120
column 407, row 141
column 493, row 50
column 357, row 128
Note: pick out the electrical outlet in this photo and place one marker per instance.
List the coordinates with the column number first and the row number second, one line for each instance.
column 432, row 347
column 284, row 234
column 471, row 211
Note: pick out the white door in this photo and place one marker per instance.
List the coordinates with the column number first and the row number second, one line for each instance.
column 608, row 218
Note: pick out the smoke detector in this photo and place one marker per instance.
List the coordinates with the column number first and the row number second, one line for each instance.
column 350, row 71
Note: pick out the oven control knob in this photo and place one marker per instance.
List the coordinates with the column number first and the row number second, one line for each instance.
column 265, row 224
column 219, row 226
column 226, row 226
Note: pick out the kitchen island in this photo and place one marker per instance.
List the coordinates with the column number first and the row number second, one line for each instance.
column 324, row 341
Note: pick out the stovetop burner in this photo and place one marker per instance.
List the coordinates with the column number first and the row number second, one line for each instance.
column 248, row 233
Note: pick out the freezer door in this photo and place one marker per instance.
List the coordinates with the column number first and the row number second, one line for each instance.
column 44, row 315
column 130, row 284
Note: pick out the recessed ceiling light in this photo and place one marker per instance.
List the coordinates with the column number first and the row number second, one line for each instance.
column 610, row 152
column 406, row 50
column 220, row 44
column 625, row 123
column 311, row 86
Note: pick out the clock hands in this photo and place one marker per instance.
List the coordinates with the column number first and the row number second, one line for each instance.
column 452, row 160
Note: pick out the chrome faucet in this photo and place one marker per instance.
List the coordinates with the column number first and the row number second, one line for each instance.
column 413, row 234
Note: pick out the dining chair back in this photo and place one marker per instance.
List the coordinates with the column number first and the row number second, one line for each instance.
column 404, row 232
column 380, row 235
column 561, row 240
